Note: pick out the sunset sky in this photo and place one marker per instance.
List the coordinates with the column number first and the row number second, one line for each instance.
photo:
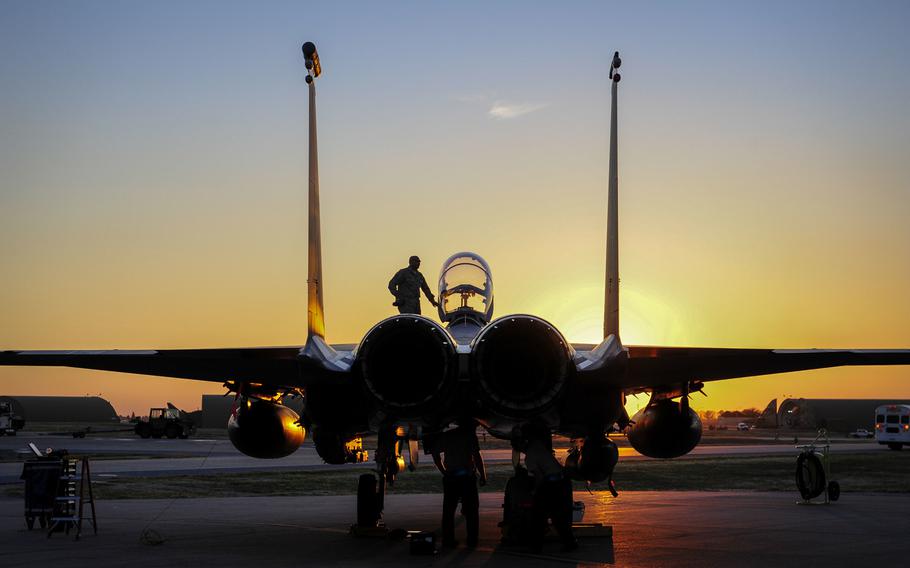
column 153, row 176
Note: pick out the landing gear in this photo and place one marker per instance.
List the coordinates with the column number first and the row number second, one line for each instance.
column 593, row 460
column 370, row 504
column 371, row 487
column 369, row 507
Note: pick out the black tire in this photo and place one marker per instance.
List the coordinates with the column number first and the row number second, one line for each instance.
column 144, row 431
column 896, row 446
column 833, row 491
column 367, row 501
column 810, row 475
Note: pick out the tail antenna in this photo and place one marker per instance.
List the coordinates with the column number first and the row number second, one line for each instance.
column 611, row 299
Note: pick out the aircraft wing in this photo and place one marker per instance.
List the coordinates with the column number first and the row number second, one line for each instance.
column 277, row 366
column 649, row 367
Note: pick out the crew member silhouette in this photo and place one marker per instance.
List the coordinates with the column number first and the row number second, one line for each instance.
column 460, row 470
column 553, row 490
column 406, row 286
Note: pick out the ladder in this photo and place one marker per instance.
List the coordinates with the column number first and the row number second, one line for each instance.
column 74, row 491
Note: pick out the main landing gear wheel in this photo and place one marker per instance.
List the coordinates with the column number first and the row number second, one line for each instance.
column 368, row 510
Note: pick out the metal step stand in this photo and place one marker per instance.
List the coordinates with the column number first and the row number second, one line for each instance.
column 74, row 491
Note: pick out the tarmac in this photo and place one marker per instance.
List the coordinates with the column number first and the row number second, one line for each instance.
column 198, row 456
column 650, row 529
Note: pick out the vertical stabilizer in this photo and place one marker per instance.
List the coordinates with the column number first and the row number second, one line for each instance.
column 768, row 418
column 611, row 292
column 315, row 314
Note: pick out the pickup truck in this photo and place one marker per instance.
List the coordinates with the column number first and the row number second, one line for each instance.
column 860, row 433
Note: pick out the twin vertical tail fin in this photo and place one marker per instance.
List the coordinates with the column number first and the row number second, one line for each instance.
column 611, row 289
column 315, row 313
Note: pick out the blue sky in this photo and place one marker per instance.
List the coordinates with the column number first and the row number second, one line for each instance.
column 152, row 166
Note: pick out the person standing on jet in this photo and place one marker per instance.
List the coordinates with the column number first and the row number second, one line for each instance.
column 460, row 468
column 406, row 286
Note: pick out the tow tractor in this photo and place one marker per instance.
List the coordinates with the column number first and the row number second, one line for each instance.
column 168, row 422
column 171, row 422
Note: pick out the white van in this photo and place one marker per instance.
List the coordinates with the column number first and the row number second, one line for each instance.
column 892, row 425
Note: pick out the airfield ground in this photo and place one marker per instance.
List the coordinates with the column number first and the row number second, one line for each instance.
column 207, row 505
column 651, row 528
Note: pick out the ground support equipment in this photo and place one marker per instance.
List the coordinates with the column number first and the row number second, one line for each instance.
column 813, row 471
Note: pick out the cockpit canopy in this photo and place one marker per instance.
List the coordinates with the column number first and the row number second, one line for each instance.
column 465, row 288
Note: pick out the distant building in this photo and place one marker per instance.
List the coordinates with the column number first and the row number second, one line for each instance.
column 216, row 409
column 837, row 415
column 62, row 408
column 768, row 418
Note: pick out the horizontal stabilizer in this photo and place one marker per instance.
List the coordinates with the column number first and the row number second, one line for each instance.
column 650, row 367
column 275, row 366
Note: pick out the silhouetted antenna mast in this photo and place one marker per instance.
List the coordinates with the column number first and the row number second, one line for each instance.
column 611, row 293
column 315, row 313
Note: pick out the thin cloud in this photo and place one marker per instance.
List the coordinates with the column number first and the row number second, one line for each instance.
column 499, row 109
column 502, row 111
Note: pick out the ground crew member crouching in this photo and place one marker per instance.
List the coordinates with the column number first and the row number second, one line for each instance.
column 518, row 509
column 460, row 467
column 552, row 492
column 406, row 286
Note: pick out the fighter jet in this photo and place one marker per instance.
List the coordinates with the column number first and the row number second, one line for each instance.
column 410, row 376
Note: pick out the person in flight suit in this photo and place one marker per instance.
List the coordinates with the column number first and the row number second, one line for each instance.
column 460, row 470
column 406, row 286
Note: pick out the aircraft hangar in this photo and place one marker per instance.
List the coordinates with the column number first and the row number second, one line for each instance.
column 837, row 415
column 62, row 408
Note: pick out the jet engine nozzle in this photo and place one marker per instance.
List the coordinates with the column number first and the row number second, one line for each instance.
column 408, row 364
column 664, row 430
column 523, row 364
column 263, row 429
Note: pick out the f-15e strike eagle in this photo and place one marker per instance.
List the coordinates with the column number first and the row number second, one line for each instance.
column 411, row 376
